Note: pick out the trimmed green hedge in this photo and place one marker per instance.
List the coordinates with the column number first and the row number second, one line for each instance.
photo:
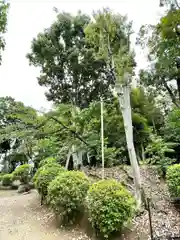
column 44, row 176
column 22, row 173
column 1, row 176
column 110, row 207
column 49, row 161
column 7, row 180
column 67, row 193
column 173, row 180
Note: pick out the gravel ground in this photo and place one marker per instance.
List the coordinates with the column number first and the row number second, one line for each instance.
column 22, row 218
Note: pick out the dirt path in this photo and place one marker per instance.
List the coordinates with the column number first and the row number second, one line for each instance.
column 22, row 218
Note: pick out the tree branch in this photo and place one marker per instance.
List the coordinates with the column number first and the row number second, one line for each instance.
column 72, row 131
column 177, row 4
column 59, row 122
column 171, row 94
column 49, row 133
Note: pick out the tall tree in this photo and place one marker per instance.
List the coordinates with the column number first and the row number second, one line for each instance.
column 110, row 35
column 164, row 55
column 68, row 67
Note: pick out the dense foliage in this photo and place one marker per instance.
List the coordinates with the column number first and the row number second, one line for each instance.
column 156, row 153
column 44, row 176
column 110, row 207
column 23, row 173
column 173, row 180
column 52, row 134
column 67, row 64
column 1, row 176
column 163, row 41
column 47, row 161
column 7, row 180
column 66, row 195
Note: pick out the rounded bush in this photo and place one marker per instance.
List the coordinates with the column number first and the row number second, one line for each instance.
column 173, row 180
column 47, row 165
column 49, row 160
column 109, row 206
column 45, row 175
column 1, row 176
column 22, row 173
column 35, row 177
column 66, row 195
column 7, row 180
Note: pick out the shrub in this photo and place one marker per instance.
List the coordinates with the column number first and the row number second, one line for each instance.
column 7, row 180
column 1, row 176
column 44, row 176
column 66, row 195
column 156, row 152
column 36, row 175
column 49, row 160
column 110, row 206
column 47, row 165
column 22, row 173
column 173, row 180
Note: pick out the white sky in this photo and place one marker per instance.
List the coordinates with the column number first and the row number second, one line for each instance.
column 28, row 17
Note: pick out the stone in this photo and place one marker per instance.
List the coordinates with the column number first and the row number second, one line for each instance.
column 23, row 188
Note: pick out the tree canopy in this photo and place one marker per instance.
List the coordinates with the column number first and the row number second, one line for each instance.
column 68, row 68
column 74, row 55
column 164, row 55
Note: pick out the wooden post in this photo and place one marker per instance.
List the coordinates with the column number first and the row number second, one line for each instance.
column 150, row 219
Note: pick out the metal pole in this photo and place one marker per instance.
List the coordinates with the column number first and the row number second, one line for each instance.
column 102, row 137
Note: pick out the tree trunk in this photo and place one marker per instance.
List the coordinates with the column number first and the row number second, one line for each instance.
column 79, row 159
column 67, row 160
column 178, row 87
column 125, row 106
column 123, row 92
column 73, row 151
column 142, row 152
column 173, row 97
column 154, row 126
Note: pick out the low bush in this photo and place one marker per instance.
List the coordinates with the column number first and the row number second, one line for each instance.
column 110, row 206
column 44, row 176
column 47, row 165
column 49, row 160
column 66, row 195
column 7, row 180
column 35, row 177
column 1, row 176
column 22, row 173
column 173, row 180
column 156, row 152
